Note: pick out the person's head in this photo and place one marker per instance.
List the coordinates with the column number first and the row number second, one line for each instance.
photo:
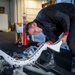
column 32, row 28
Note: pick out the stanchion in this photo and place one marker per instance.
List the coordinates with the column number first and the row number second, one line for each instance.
column 24, row 35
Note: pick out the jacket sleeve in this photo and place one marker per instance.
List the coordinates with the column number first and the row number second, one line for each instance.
column 64, row 20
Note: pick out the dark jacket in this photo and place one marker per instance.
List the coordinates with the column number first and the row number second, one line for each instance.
column 54, row 20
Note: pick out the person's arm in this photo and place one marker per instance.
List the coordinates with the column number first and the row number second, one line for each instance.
column 65, row 22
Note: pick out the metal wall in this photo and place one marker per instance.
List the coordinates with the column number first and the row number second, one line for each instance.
column 16, row 8
column 30, row 7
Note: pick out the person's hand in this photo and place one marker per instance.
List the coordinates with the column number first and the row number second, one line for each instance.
column 64, row 39
column 40, row 43
column 47, row 42
column 43, row 43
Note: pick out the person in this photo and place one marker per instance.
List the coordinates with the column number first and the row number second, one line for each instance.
column 54, row 20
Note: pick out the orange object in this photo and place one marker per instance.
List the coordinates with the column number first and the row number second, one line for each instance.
column 24, row 35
